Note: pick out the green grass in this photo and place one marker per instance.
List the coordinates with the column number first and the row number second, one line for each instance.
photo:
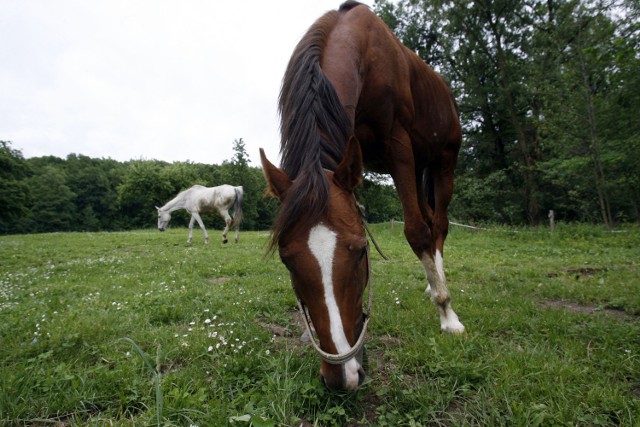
column 139, row 328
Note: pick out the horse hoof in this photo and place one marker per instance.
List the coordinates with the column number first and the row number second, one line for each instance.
column 225, row 241
column 455, row 328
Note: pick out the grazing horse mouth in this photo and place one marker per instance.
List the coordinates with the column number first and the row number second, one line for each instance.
column 322, row 243
column 352, row 371
column 343, row 384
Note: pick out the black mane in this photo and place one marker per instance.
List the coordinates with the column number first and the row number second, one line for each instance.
column 348, row 5
column 314, row 129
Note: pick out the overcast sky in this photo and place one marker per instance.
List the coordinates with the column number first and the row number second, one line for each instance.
column 147, row 79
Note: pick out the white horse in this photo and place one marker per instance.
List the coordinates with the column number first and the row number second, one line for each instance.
column 199, row 199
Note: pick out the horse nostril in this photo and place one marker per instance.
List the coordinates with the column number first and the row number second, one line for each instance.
column 361, row 376
column 323, row 381
column 331, row 384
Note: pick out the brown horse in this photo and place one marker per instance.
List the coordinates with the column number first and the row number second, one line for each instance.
column 352, row 94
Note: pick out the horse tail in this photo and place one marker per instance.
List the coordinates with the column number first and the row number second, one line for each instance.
column 429, row 188
column 237, row 207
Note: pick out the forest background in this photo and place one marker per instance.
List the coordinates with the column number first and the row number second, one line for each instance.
column 549, row 95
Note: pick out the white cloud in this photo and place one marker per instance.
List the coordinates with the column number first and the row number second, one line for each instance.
column 163, row 80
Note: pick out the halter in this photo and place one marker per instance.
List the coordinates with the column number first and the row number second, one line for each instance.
column 342, row 358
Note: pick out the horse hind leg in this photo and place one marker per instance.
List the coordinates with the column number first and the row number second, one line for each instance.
column 227, row 222
column 224, row 233
column 237, row 233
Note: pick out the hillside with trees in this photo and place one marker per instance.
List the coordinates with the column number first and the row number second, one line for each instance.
column 79, row 193
column 548, row 91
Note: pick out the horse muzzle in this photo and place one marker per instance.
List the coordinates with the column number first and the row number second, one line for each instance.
column 347, row 377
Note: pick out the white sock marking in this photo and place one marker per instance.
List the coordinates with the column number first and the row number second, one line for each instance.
column 322, row 243
column 449, row 321
column 440, row 265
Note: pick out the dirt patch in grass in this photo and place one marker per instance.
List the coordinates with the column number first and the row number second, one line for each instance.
column 289, row 334
column 587, row 309
column 584, row 271
column 635, row 390
column 368, row 403
column 454, row 412
column 218, row 279
column 579, row 272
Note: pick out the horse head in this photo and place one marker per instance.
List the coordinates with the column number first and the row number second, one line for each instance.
column 328, row 264
column 163, row 219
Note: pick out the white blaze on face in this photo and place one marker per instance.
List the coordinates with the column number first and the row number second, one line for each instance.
column 322, row 243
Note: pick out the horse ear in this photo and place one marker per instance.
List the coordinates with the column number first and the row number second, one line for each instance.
column 277, row 180
column 158, row 208
column 349, row 172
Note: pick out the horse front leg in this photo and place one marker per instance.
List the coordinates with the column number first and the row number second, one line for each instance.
column 437, row 288
column 442, row 176
column 425, row 241
column 196, row 215
column 193, row 219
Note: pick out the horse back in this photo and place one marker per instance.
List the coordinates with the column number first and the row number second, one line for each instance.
column 383, row 85
column 214, row 199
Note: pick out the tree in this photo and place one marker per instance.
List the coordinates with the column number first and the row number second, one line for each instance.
column 590, row 138
column 380, row 199
column 478, row 47
column 143, row 187
column 96, row 199
column 540, row 85
column 14, row 193
column 51, row 207
column 237, row 171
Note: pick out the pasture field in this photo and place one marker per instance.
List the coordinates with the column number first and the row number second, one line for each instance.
column 140, row 328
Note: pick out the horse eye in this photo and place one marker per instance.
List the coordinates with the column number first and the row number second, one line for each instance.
column 362, row 252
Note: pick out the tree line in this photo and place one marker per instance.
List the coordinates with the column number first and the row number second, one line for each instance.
column 79, row 193
column 549, row 94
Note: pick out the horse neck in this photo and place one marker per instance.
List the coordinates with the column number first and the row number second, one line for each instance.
column 174, row 204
